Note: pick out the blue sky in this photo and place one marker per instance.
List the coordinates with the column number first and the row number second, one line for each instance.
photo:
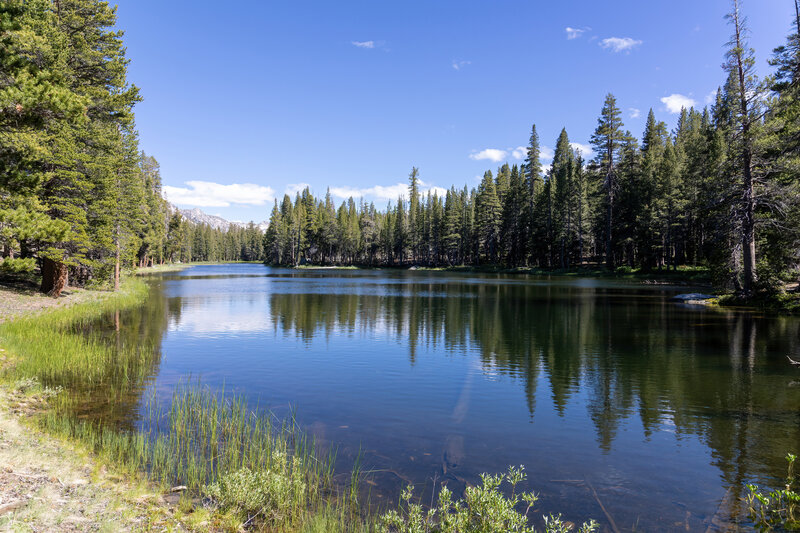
column 244, row 101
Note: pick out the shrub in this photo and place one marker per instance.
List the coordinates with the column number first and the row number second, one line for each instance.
column 270, row 495
column 484, row 509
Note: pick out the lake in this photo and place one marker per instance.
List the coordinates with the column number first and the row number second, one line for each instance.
column 621, row 404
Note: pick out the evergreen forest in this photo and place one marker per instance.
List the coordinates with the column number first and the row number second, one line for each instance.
column 79, row 200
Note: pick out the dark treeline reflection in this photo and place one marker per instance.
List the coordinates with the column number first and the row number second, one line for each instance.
column 135, row 335
column 722, row 376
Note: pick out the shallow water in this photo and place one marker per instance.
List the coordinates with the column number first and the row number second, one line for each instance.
column 606, row 391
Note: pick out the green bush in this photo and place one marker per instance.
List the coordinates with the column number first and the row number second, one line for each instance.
column 272, row 495
column 484, row 509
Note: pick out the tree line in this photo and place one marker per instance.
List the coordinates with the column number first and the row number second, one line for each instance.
column 78, row 199
column 720, row 190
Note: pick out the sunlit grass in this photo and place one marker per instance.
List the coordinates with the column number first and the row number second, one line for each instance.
column 52, row 346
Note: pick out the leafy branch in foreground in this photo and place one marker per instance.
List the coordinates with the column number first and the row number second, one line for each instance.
column 484, row 509
column 779, row 508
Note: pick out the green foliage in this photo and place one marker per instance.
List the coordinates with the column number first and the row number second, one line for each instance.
column 15, row 265
column 777, row 509
column 483, row 509
column 271, row 495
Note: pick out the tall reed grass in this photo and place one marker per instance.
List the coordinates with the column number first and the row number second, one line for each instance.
column 219, row 448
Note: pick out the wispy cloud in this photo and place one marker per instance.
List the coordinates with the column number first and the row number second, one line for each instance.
column 575, row 33
column 520, row 152
column 294, row 188
column 425, row 187
column 210, row 194
column 546, row 153
column 620, row 44
column 585, row 150
column 675, row 102
column 492, row 154
column 633, row 112
column 363, row 44
column 458, row 65
column 384, row 192
column 711, row 97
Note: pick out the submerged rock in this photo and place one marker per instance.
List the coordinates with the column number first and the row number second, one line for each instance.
column 694, row 298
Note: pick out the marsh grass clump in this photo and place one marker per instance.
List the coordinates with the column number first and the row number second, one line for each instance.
column 778, row 509
column 484, row 508
column 242, row 461
column 269, row 494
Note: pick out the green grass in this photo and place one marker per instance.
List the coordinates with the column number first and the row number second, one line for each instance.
column 781, row 303
column 53, row 348
column 177, row 267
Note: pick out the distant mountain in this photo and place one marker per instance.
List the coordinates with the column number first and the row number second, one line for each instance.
column 197, row 216
column 200, row 217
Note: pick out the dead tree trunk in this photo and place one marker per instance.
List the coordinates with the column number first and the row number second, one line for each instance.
column 54, row 277
column 741, row 63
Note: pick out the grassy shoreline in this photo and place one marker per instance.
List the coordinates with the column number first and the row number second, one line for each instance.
column 693, row 275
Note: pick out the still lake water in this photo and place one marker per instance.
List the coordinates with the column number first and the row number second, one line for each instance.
column 605, row 390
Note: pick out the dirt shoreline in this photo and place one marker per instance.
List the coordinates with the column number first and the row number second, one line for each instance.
column 47, row 484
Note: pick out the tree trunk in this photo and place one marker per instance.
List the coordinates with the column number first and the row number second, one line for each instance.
column 748, row 215
column 116, row 264
column 54, row 277
column 609, row 218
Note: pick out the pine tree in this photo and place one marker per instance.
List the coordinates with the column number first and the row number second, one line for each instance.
column 488, row 218
column 607, row 139
column 562, row 173
column 741, row 66
column 533, row 185
column 37, row 102
column 414, row 215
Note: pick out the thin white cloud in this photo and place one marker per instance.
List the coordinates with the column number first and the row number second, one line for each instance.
column 711, row 97
column 425, row 188
column 210, row 194
column 384, row 192
column 585, row 150
column 363, row 44
column 294, row 188
column 492, row 154
column 520, row 152
column 546, row 153
column 458, row 65
column 379, row 192
column 634, row 113
column 574, row 33
column 620, row 44
column 675, row 102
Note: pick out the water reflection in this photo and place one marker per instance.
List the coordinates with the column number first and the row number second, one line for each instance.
column 703, row 372
column 659, row 408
